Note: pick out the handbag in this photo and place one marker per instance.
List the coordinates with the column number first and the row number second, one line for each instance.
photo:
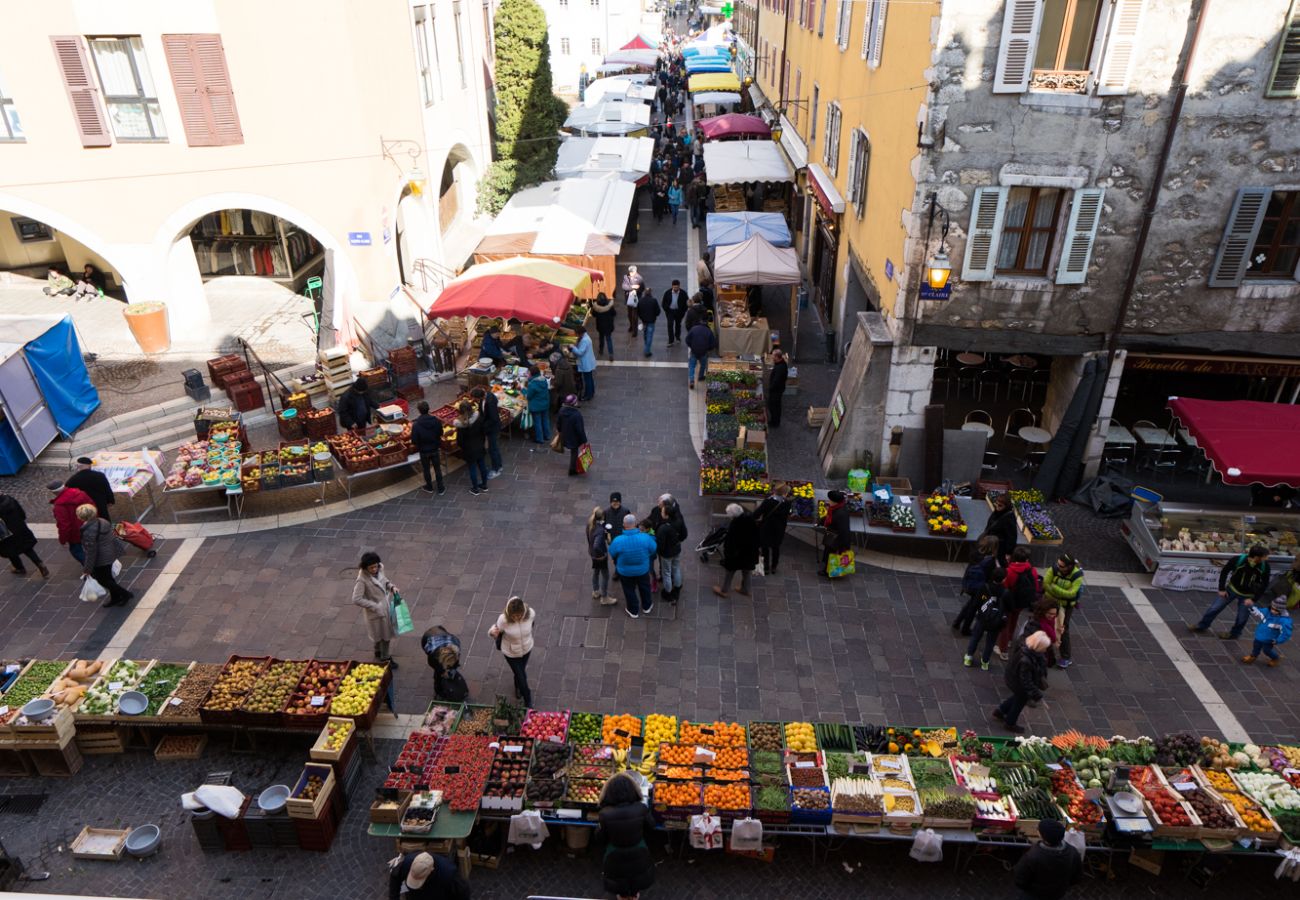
column 840, row 564
column 585, row 457
column 401, row 615
column 557, row 443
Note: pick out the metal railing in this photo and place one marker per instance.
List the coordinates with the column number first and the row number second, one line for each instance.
column 255, row 365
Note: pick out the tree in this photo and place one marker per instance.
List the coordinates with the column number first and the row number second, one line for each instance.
column 528, row 114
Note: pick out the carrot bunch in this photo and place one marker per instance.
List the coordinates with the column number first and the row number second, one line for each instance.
column 726, row 796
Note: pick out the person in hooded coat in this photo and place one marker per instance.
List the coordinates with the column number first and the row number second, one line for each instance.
column 470, row 438
column 606, row 318
column 739, row 550
column 16, row 539
column 625, row 824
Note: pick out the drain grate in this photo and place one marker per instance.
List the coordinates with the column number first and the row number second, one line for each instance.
column 21, row 804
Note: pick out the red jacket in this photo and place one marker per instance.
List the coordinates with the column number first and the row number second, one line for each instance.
column 1014, row 571
column 65, row 514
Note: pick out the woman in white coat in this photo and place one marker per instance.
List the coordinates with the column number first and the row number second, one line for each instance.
column 374, row 594
column 513, row 633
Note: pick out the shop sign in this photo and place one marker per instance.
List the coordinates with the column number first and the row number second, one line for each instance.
column 1213, row 365
column 359, row 238
column 889, row 269
column 1182, row 577
column 929, row 293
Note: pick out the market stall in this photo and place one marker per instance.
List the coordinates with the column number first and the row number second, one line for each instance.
column 1246, row 441
column 610, row 117
column 577, row 221
column 45, row 389
column 714, row 81
column 599, row 157
column 636, row 58
column 737, row 162
column 726, row 228
column 733, row 125
column 714, row 102
column 753, row 262
column 621, row 88
column 129, row 474
column 702, row 64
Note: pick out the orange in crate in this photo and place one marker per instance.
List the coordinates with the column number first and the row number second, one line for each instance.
column 726, row 796
column 727, row 774
column 618, row 731
column 677, row 793
column 713, row 734
column 676, row 754
column 731, row 758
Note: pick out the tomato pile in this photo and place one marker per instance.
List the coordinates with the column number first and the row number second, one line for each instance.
column 1079, row 807
column 1167, row 807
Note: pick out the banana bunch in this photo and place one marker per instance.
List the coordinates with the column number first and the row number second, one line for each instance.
column 647, row 764
column 620, row 758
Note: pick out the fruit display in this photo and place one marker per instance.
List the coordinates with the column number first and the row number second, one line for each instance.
column 548, row 759
column 352, row 452
column 713, row 734
column 546, row 726
column 1251, row 814
column 939, row 803
column 545, row 790
column 236, row 681
column 357, row 690
column 619, row 731
column 859, row 796
column 272, row 690
column 68, row 690
column 103, row 696
column 942, row 515
column 337, row 733
column 1275, row 794
column 314, row 692
column 584, row 728
column 677, row 754
column 659, row 730
column 600, row 754
column 678, row 793
column 30, row 685
column 730, row 797
column 731, row 758
column 801, row 736
column 159, row 683
column 1211, row 812
column 475, row 720
column 725, row 775
column 807, row 798
column 766, row 736
column 192, row 691
column 311, row 789
column 1069, row 795
column 806, row 774
column 421, row 812
column 459, row 768
column 585, row 792
column 211, row 463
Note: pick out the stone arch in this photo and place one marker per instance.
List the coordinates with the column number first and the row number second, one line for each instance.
column 456, row 186
column 121, row 261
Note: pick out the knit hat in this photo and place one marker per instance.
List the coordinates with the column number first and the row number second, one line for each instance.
column 1038, row 641
column 571, row 400
column 1052, row 832
column 85, row 461
column 1278, row 605
column 55, row 485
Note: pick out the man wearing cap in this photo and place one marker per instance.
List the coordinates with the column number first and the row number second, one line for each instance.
column 1048, row 869
column 94, row 484
column 65, row 501
column 423, row 876
column 614, row 515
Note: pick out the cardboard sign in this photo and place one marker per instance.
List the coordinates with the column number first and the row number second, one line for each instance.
column 1184, row 786
column 805, row 765
column 512, row 748
column 114, row 687
column 451, row 770
column 569, row 813
column 317, row 701
column 176, row 701
column 3, row 710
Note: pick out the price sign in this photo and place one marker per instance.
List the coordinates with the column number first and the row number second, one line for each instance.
column 861, row 769
column 805, row 765
column 1093, row 794
column 1184, row 786
column 978, row 771
column 569, row 813
column 451, row 770
column 1055, row 767
column 11, row 668
column 317, row 701
column 176, row 701
column 512, row 748
column 620, row 732
column 708, row 731
column 114, row 687
column 3, row 710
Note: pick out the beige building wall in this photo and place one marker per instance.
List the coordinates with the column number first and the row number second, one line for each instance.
column 319, row 88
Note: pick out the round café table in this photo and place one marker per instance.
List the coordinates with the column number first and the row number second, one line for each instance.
column 970, row 359
column 978, row 426
column 1022, row 362
column 1032, row 435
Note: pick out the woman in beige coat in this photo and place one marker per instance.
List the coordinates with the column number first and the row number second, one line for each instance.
column 514, row 635
column 374, row 594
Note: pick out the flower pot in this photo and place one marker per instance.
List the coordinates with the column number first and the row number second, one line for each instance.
column 148, row 324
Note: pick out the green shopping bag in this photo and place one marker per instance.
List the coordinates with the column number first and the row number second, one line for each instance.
column 402, row 623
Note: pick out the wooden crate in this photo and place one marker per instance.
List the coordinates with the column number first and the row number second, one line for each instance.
column 817, row 416
column 55, row 734
column 299, row 808
column 170, row 747
column 60, row 763
column 14, row 763
column 321, row 753
column 108, row 843
column 101, row 741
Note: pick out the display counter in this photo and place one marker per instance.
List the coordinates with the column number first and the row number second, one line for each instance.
column 748, row 341
column 1169, row 536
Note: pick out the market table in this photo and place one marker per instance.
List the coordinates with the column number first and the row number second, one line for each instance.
column 1033, row 435
column 235, row 497
column 129, row 473
column 750, row 341
column 345, row 478
column 1120, row 436
column 970, row 359
column 978, row 426
column 447, row 826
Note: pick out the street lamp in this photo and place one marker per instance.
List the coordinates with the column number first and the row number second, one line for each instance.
column 939, row 268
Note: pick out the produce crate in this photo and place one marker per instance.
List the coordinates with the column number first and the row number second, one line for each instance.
column 56, row 733
column 366, row 720
column 269, row 830
column 749, row 740
column 800, row 816
column 60, row 763
column 664, row 812
column 564, row 736
column 546, row 804
column 268, row 719
column 903, row 821
column 1163, row 829
column 101, row 740
column 729, row 814
column 157, row 718
column 506, row 804
column 180, row 746
column 99, row 843
column 458, row 707
column 320, row 753
column 465, row 715
column 14, row 763
column 389, row 811
column 300, row 808
column 314, row 717
column 230, row 716
column 103, row 683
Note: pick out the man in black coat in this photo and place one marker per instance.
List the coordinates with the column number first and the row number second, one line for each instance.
column 573, row 433
column 1026, row 677
column 700, row 340
column 1050, row 867
column 739, row 550
column 355, row 405
column 95, row 484
column 426, row 436
column 423, row 876
column 772, row 515
column 1002, row 525
column 776, row 388
column 675, row 302
column 647, row 311
column 491, row 409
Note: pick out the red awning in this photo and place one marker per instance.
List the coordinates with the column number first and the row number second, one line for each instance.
column 638, row 43
column 1246, row 441
column 733, row 125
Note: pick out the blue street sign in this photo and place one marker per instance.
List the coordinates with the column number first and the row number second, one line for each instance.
column 929, row 293
column 359, row 238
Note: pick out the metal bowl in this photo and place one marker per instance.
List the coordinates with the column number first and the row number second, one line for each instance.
column 273, row 798
column 144, row 841
column 38, row 708
column 1130, row 803
column 132, row 703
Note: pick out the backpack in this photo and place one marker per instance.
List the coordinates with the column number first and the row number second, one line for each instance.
column 976, row 578
column 1253, row 580
column 1027, row 590
column 991, row 615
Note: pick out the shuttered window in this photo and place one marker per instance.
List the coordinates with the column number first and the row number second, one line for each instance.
column 1285, row 80
column 83, row 90
column 11, row 129
column 1233, row 258
column 798, row 92
column 127, row 87
column 1080, row 234
column 985, row 228
column 1021, row 20
column 831, row 149
column 843, row 24
column 873, row 32
column 1121, row 47
column 859, row 158
column 203, row 90
column 1029, row 230
column 821, row 19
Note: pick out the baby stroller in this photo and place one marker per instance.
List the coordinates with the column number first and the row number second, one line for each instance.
column 712, row 543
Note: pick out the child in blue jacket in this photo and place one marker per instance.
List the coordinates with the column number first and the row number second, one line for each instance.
column 1274, row 630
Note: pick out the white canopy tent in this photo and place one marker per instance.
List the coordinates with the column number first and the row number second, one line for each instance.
column 619, row 87
column 644, row 58
column 755, row 261
column 716, row 98
column 735, row 162
column 603, row 157
column 609, row 117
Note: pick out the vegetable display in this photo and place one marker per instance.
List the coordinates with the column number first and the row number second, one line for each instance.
column 159, row 684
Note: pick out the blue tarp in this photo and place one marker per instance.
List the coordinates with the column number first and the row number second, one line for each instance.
column 55, row 358
column 699, row 63
column 729, row 228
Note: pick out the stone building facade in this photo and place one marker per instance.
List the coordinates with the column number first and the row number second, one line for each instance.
column 1043, row 130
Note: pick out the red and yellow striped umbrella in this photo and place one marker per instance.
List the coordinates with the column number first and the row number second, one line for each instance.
column 524, row 288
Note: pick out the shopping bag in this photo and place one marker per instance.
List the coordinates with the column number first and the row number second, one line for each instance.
column 1076, row 840
column 134, row 533
column 401, row 614
column 92, row 591
column 525, row 420
column 117, row 569
column 585, row 457
column 527, row 827
column 747, row 835
column 706, row 832
column 927, row 846
column 840, row 564
column 557, row 442
column 759, row 570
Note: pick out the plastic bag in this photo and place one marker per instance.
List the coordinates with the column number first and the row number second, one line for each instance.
column 221, row 799
column 706, row 832
column 402, row 623
column 840, row 564
column 859, row 480
column 1289, row 867
column 92, row 591
column 527, row 827
column 1076, row 840
column 747, row 835
column 927, row 846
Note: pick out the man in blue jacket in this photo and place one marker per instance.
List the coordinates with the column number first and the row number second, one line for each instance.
column 586, row 355
column 633, row 551
column 700, row 341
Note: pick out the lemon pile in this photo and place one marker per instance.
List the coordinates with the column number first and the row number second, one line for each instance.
column 357, row 691
column 800, row 737
column 659, row 730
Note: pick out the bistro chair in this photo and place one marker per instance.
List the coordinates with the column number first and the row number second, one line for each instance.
column 978, row 415
column 989, row 379
column 942, row 378
column 1143, row 423
column 1018, row 384
column 1166, row 459
column 991, row 461
column 1018, row 419
column 1039, row 378
column 1120, row 455
column 967, row 377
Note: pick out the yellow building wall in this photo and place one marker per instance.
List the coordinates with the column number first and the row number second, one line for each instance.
column 886, row 103
column 771, row 33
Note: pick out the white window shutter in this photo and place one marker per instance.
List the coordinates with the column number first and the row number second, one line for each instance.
column 1121, row 47
column 1085, row 215
column 1233, row 258
column 1021, row 21
column 1285, row 80
column 984, row 234
column 873, row 32
column 843, row 23
column 853, row 163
